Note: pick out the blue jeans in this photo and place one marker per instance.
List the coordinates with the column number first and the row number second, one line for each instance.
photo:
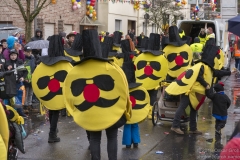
column 237, row 65
column 130, row 134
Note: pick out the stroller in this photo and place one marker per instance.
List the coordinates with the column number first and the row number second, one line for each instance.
column 165, row 107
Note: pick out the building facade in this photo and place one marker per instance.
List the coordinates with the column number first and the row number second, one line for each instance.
column 51, row 20
column 121, row 16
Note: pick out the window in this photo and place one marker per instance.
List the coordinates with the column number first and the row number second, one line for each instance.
column 118, row 25
column 153, row 28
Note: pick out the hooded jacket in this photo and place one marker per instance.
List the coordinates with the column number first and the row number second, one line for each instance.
column 36, row 37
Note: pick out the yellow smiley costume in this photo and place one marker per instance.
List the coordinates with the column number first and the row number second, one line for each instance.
column 4, row 134
column 75, row 52
column 187, row 81
column 96, row 88
column 48, row 77
column 139, row 96
column 178, row 54
column 151, row 65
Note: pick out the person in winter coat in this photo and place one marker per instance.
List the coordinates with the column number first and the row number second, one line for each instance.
column 30, row 66
column 4, row 43
column 2, row 59
column 13, row 44
column 37, row 36
column 197, row 49
column 11, row 64
column 221, row 103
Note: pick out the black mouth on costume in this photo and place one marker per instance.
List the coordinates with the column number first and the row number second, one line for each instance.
column 178, row 67
column 101, row 102
column 51, row 95
column 153, row 77
column 180, row 83
column 139, row 106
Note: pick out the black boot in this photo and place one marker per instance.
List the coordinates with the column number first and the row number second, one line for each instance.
column 64, row 112
column 53, row 138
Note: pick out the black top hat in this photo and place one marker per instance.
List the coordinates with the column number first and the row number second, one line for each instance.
column 208, row 55
column 128, row 68
column 55, row 51
column 117, row 38
column 91, row 46
column 105, row 49
column 76, row 48
column 153, row 44
column 142, row 43
column 174, row 38
column 109, row 42
column 125, row 45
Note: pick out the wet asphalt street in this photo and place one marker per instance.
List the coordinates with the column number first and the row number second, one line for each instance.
column 170, row 146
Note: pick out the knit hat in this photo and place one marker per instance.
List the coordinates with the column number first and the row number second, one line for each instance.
column 11, row 41
column 219, row 87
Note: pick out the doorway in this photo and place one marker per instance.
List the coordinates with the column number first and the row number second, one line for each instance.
column 132, row 25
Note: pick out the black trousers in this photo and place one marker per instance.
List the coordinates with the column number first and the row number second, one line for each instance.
column 95, row 141
column 220, row 124
column 153, row 96
column 185, row 101
column 53, row 119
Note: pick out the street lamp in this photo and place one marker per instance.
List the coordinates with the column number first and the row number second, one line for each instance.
column 146, row 17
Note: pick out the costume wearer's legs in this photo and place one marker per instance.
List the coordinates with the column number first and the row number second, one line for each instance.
column 112, row 143
column 127, row 136
column 153, row 98
column 193, row 120
column 29, row 94
column 88, row 135
column 53, row 119
column 135, row 133
column 95, row 141
column 180, row 110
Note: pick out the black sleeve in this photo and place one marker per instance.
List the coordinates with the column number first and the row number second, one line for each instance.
column 221, row 73
column 209, row 93
column 228, row 102
column 200, row 78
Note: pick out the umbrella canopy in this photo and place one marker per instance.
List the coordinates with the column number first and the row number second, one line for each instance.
column 40, row 44
column 234, row 25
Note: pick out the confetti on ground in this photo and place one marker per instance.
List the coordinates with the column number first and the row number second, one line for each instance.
column 159, row 152
column 146, row 134
column 166, row 132
column 203, row 118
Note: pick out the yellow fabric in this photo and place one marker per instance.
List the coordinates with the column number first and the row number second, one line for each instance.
column 202, row 40
column 118, row 49
column 137, row 51
column 149, row 83
column 115, row 60
column 193, row 86
column 196, row 47
column 210, row 36
column 16, row 118
column 182, row 34
column 4, row 134
column 75, row 58
column 3, row 149
column 120, row 61
column 140, row 114
column 56, row 103
column 175, row 89
column 173, row 49
column 102, row 40
column 42, row 109
column 98, row 118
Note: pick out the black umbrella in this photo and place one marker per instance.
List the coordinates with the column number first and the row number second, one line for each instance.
column 234, row 25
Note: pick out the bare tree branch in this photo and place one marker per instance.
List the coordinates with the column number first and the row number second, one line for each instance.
column 22, row 10
column 37, row 9
column 9, row 5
